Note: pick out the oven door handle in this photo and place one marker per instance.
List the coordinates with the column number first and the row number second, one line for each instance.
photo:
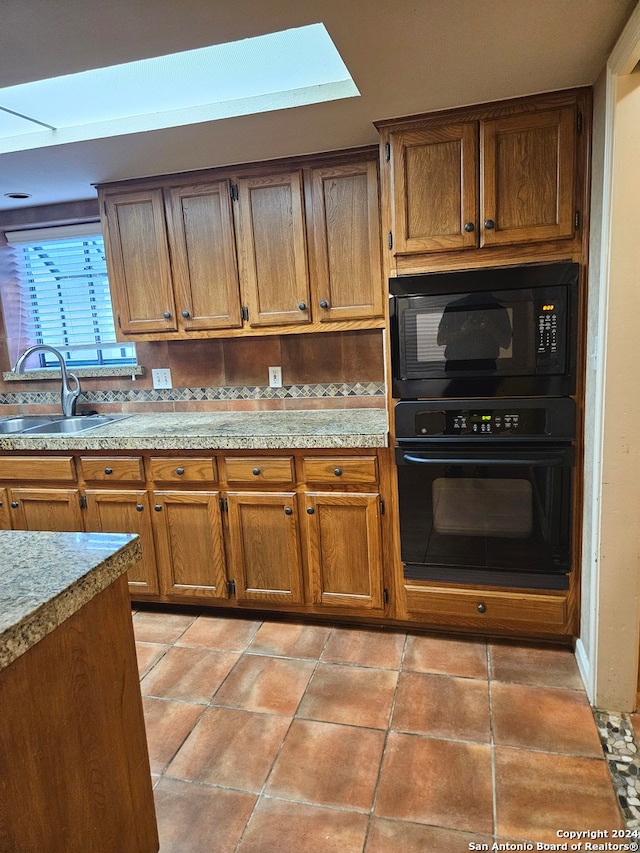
column 538, row 462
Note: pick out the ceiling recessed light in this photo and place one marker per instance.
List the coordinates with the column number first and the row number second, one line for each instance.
column 276, row 71
column 17, row 195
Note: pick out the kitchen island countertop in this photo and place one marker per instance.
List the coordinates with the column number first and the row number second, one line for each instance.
column 46, row 577
column 249, row 430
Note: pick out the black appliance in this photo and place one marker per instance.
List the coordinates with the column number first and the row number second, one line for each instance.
column 485, row 490
column 509, row 331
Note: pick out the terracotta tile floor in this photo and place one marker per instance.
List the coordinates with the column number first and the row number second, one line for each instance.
column 292, row 738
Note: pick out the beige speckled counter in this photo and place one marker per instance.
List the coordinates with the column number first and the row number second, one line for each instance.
column 335, row 428
column 46, row 577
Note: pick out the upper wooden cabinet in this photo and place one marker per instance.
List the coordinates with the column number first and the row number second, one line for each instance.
column 258, row 251
column 345, row 236
column 137, row 253
column 272, row 237
column 500, row 175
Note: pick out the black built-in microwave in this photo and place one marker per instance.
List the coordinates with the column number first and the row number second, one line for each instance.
column 508, row 331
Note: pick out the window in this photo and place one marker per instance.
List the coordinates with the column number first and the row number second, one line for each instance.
column 63, row 296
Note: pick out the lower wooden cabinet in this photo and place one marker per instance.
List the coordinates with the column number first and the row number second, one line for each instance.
column 45, row 509
column 189, row 544
column 344, row 549
column 124, row 511
column 264, row 547
column 5, row 517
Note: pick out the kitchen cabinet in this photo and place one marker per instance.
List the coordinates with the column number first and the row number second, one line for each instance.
column 205, row 270
column 5, row 517
column 273, row 249
column 137, row 253
column 264, row 547
column 343, row 531
column 345, row 261
column 489, row 177
column 126, row 511
column 189, row 544
column 45, row 509
column 258, row 251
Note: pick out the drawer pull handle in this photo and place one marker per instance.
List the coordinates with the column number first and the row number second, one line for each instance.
column 481, row 608
column 310, row 510
column 288, row 510
column 158, row 507
column 108, row 470
column 14, row 504
column 179, row 471
column 337, row 472
column 256, row 471
column 139, row 507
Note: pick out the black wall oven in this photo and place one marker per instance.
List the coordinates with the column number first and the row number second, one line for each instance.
column 485, row 491
column 488, row 332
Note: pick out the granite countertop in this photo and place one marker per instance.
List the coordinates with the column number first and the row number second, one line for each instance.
column 261, row 430
column 47, row 577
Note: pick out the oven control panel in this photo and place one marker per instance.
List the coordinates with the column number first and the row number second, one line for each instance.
column 485, row 419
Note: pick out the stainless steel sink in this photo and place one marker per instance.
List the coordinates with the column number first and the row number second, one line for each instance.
column 55, row 424
column 25, row 422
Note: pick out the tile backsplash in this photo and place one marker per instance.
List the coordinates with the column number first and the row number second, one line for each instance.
column 326, row 370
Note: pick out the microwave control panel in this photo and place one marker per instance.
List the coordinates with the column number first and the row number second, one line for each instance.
column 548, row 330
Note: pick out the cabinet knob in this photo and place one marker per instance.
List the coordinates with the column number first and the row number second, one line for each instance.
column 185, row 314
column 481, row 608
column 324, row 303
column 179, row 471
column 14, row 504
column 288, row 510
column 302, row 306
column 139, row 507
column 469, row 227
column 167, row 315
column 108, row 470
column 489, row 223
column 158, row 507
column 337, row 472
column 256, row 471
column 310, row 510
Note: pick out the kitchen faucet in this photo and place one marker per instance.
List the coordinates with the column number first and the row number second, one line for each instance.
column 68, row 394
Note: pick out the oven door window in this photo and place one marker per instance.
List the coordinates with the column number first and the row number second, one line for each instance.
column 484, row 516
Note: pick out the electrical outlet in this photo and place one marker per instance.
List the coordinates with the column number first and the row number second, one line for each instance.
column 275, row 377
column 161, row 377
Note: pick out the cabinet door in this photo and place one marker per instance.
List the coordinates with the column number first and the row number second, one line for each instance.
column 528, row 177
column 435, row 188
column 344, row 549
column 265, row 552
column 138, row 261
column 46, row 509
column 126, row 512
column 5, row 516
column 346, row 271
column 189, row 545
column 274, row 252
column 203, row 254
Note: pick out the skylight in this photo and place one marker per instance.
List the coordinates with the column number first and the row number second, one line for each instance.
column 271, row 72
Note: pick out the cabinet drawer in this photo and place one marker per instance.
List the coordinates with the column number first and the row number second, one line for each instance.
column 336, row 470
column 259, row 469
column 104, row 469
column 489, row 609
column 194, row 470
column 26, row 468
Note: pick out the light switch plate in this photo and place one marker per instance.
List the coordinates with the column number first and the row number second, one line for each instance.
column 161, row 377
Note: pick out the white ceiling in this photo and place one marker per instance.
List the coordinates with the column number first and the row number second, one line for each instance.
column 405, row 56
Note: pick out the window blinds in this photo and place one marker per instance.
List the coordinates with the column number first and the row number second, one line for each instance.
column 64, row 298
